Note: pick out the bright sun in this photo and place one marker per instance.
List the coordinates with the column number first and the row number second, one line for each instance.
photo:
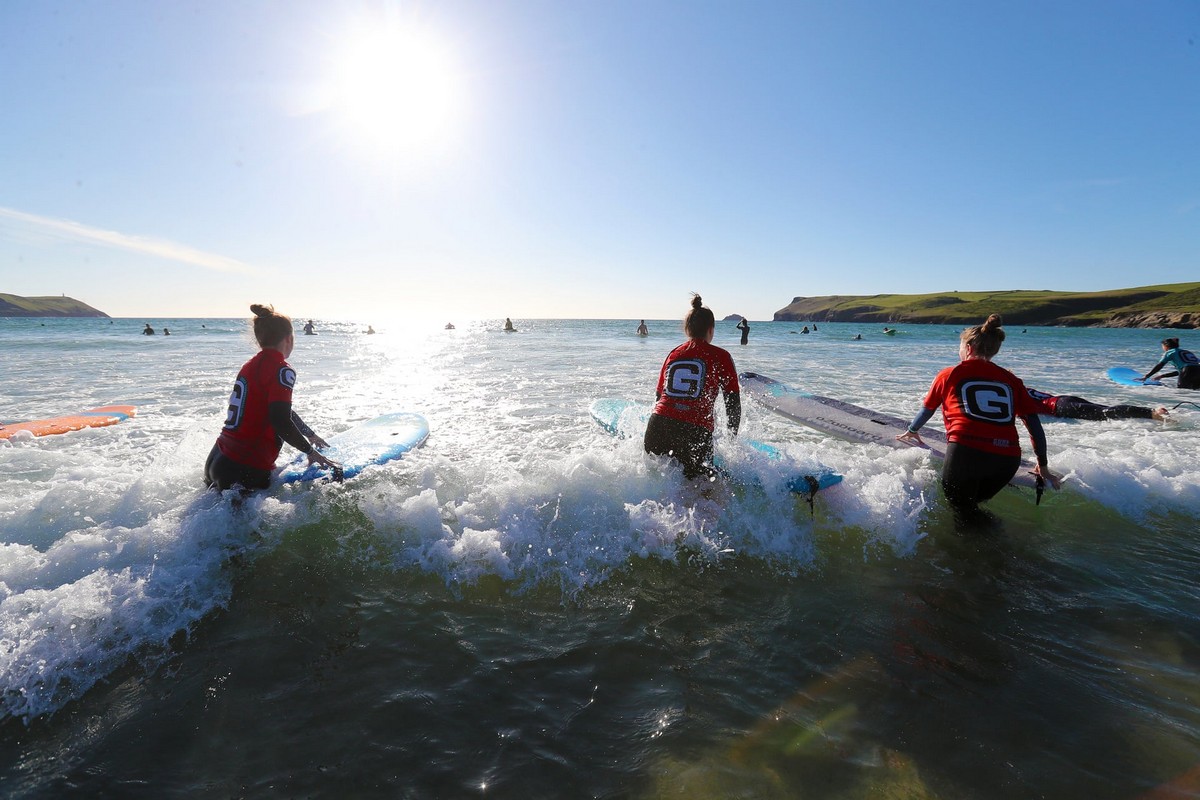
column 398, row 88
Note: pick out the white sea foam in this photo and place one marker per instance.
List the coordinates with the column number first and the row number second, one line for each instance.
column 110, row 549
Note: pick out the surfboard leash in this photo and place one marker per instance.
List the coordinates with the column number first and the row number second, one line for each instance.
column 1177, row 405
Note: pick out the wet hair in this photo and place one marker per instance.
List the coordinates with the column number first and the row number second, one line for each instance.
column 699, row 320
column 270, row 327
column 1171, row 342
column 985, row 339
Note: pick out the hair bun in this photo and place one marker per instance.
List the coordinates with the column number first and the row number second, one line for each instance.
column 261, row 310
column 696, row 301
column 993, row 322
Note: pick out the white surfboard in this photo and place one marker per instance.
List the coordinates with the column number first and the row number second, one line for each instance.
column 850, row 422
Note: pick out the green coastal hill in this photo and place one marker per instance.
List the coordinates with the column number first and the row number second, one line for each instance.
column 1174, row 305
column 13, row 306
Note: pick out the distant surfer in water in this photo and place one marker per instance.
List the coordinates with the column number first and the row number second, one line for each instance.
column 1069, row 406
column 147, row 331
column 744, row 327
column 260, row 417
column 508, row 326
column 643, row 330
column 310, row 329
column 980, row 404
column 1184, row 361
column 681, row 424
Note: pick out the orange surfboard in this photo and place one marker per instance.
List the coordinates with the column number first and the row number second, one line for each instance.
column 95, row 418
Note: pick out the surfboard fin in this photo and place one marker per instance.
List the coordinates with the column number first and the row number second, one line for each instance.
column 1041, row 489
column 337, row 475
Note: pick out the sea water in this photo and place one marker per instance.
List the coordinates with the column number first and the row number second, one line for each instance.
column 527, row 606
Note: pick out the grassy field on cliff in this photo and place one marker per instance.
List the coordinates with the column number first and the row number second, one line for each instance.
column 1018, row 307
column 12, row 305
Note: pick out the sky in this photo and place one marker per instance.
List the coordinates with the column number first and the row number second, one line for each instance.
column 479, row 159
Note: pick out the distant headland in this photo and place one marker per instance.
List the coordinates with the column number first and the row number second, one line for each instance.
column 13, row 306
column 1174, row 305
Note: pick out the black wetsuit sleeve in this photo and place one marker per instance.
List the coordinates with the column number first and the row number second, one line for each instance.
column 1162, row 363
column 1038, row 435
column 300, row 426
column 280, row 415
column 733, row 411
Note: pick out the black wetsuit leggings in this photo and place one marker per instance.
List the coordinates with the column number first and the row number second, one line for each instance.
column 970, row 476
column 690, row 445
column 225, row 473
column 1189, row 377
column 1071, row 407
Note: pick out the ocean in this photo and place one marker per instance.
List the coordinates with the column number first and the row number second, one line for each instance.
column 527, row 607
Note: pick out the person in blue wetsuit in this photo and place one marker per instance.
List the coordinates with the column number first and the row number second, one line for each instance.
column 1184, row 361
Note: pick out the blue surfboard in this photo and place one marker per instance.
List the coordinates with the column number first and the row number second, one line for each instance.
column 375, row 441
column 1129, row 377
column 628, row 419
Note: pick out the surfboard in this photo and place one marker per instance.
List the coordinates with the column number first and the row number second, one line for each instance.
column 377, row 441
column 850, row 422
column 94, row 418
column 1129, row 377
column 627, row 419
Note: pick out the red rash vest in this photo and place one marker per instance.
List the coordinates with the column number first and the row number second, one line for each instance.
column 691, row 377
column 980, row 404
column 248, row 437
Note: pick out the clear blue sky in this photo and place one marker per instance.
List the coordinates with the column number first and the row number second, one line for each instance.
column 591, row 158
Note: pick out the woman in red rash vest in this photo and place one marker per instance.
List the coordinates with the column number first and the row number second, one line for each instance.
column 980, row 403
column 260, row 417
column 681, row 425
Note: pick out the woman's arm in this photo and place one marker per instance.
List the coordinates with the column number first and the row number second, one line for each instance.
column 1037, row 435
column 911, row 436
column 307, row 431
column 280, row 415
column 733, row 411
column 1162, row 363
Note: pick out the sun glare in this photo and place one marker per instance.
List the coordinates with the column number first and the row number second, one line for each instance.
column 398, row 89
